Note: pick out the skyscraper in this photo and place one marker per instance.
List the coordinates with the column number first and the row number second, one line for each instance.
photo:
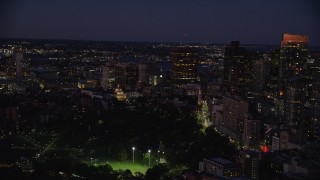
column 108, row 76
column 125, row 75
column 293, row 57
column 236, row 69
column 184, row 63
column 261, row 73
column 292, row 87
column 294, row 102
column 316, row 105
column 18, row 67
column 273, row 81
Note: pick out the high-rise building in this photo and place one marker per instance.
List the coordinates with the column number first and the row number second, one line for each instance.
column 149, row 74
column 314, row 74
column 233, row 108
column 295, row 99
column 132, row 76
column 261, row 73
column 143, row 73
column 18, row 67
column 273, row 80
column 236, row 69
column 293, row 84
column 251, row 131
column 123, row 75
column 250, row 163
column 293, row 57
column 290, row 60
column 316, row 105
column 184, row 63
column 108, row 76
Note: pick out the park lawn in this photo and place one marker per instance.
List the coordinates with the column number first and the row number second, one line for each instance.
column 133, row 167
column 137, row 166
column 117, row 165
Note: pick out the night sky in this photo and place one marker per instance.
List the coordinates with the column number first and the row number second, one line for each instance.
column 208, row 21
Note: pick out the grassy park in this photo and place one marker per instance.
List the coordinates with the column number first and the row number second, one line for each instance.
column 133, row 167
column 117, row 165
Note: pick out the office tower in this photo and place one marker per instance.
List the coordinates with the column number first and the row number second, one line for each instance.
column 120, row 75
column 18, row 56
column 124, row 75
column 316, row 105
column 184, row 65
column 108, row 76
column 313, row 73
column 293, row 57
column 132, row 76
column 293, row 86
column 149, row 74
column 22, row 67
column 294, row 102
column 273, row 81
column 251, row 131
column 250, row 163
column 236, row 69
column 143, row 73
column 261, row 72
column 18, row 67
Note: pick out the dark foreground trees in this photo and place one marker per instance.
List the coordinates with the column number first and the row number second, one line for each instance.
column 171, row 133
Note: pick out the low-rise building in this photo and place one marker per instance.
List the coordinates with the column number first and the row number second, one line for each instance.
column 219, row 166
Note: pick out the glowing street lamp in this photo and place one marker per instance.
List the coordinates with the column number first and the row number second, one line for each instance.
column 133, row 148
column 149, row 151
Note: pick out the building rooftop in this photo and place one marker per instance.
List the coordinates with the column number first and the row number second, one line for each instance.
column 222, row 161
column 294, row 38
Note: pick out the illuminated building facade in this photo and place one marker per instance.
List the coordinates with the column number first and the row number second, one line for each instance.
column 293, row 57
column 184, row 62
column 294, row 90
column 119, row 94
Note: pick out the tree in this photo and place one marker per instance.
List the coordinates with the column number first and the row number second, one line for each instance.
column 157, row 172
column 123, row 155
column 138, row 175
column 127, row 174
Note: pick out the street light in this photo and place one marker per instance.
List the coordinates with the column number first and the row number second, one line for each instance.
column 133, row 148
column 149, row 151
column 91, row 161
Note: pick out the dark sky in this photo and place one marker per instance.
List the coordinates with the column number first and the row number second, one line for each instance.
column 250, row 21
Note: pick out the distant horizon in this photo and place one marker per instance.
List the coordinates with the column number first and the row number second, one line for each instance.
column 188, row 21
column 158, row 42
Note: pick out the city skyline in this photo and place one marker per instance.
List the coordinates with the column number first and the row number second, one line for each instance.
column 147, row 90
column 71, row 109
column 248, row 21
